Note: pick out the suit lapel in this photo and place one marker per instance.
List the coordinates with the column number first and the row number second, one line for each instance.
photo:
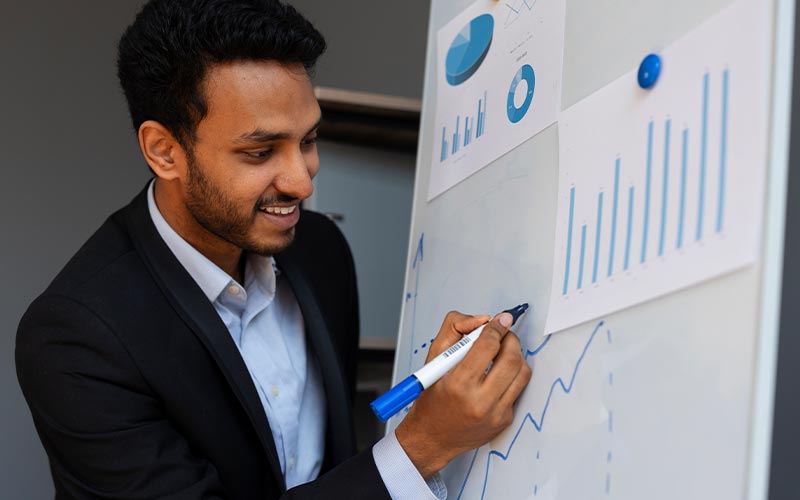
column 340, row 436
column 196, row 311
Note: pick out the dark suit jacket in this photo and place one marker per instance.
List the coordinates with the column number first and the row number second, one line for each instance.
column 138, row 391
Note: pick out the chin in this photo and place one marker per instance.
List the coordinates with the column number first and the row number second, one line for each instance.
column 273, row 245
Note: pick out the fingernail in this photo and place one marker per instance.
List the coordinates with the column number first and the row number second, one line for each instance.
column 505, row 319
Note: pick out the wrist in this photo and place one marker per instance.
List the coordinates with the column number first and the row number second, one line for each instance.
column 427, row 457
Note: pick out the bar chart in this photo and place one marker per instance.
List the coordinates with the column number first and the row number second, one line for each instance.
column 465, row 131
column 664, row 195
column 666, row 212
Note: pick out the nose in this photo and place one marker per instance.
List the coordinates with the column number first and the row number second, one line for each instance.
column 295, row 177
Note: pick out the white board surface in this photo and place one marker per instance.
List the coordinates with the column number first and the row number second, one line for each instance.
column 653, row 401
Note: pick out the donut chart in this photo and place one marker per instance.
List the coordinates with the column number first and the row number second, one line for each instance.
column 469, row 49
column 515, row 114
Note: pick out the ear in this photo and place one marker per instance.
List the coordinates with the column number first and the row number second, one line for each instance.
column 162, row 151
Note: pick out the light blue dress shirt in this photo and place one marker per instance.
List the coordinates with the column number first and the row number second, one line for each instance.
column 264, row 320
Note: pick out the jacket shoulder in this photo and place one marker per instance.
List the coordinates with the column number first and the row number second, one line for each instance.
column 109, row 243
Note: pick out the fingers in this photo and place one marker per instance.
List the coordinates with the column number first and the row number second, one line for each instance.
column 454, row 326
column 516, row 387
column 506, row 380
column 506, row 366
column 473, row 366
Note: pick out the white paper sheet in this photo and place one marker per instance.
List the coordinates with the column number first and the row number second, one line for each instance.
column 508, row 96
column 663, row 189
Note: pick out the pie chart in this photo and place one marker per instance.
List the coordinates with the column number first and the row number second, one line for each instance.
column 468, row 49
column 524, row 74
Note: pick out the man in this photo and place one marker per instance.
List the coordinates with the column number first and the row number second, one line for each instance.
column 202, row 343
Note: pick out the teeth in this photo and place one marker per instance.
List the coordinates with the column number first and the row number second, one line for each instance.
column 279, row 210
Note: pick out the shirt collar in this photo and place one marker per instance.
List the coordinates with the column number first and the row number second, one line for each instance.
column 210, row 278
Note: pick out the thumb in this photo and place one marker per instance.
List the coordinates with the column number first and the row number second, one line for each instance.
column 454, row 327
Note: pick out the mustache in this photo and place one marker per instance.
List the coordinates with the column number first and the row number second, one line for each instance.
column 275, row 199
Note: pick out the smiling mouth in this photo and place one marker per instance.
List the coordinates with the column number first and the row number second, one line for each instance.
column 278, row 210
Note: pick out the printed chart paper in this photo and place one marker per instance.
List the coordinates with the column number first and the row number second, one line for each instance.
column 498, row 84
column 663, row 189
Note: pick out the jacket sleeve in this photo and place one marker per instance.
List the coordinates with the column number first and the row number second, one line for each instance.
column 355, row 479
column 101, row 426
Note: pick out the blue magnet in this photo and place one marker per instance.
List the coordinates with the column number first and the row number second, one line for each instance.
column 649, row 71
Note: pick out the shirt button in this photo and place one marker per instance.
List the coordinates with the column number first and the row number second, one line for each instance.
column 291, row 463
column 275, row 390
column 233, row 289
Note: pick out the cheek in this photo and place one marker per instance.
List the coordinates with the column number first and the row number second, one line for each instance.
column 245, row 187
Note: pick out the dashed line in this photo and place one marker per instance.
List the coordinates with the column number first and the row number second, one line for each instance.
column 423, row 346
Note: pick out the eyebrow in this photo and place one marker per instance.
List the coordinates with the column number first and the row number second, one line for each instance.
column 261, row 135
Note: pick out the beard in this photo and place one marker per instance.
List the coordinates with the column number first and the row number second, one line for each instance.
column 215, row 211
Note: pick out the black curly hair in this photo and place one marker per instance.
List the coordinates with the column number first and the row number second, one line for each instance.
column 165, row 54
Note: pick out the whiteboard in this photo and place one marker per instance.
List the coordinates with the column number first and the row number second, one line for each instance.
column 670, row 398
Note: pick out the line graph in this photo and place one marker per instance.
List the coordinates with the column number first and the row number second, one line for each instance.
column 416, row 265
column 517, row 8
column 538, row 425
column 414, row 347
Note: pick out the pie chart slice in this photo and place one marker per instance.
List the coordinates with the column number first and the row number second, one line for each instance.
column 468, row 49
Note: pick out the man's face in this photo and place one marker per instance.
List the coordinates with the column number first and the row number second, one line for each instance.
column 254, row 154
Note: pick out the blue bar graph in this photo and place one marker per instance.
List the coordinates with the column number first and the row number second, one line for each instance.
column 630, row 228
column 480, row 120
column 682, row 209
column 583, row 254
column 473, row 128
column 703, row 140
column 723, row 152
column 614, row 219
column 648, row 172
column 598, row 230
column 481, row 115
column 664, row 188
column 569, row 237
column 674, row 178
column 456, row 136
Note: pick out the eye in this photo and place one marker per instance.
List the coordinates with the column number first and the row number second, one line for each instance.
column 259, row 155
column 310, row 141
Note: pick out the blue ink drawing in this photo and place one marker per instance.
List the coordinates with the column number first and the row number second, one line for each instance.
column 566, row 388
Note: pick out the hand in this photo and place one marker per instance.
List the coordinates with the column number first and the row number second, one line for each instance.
column 467, row 407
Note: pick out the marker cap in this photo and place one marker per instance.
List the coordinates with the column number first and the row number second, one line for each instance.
column 516, row 312
column 396, row 398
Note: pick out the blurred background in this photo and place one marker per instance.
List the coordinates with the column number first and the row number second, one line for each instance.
column 70, row 158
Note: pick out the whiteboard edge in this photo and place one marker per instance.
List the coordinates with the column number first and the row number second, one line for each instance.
column 769, row 324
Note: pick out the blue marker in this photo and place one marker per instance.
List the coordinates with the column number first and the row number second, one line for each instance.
column 409, row 389
column 649, row 71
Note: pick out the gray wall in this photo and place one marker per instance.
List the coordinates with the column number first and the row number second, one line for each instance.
column 373, row 47
column 69, row 157
column 376, row 46
column 372, row 190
